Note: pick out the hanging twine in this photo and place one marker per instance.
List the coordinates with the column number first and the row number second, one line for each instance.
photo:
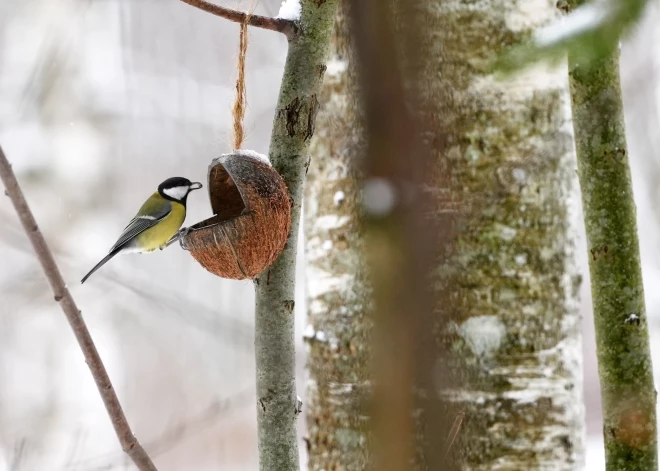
column 238, row 111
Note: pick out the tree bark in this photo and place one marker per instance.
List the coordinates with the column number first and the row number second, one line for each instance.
column 337, row 291
column 622, row 338
column 293, row 127
column 515, row 336
column 515, row 339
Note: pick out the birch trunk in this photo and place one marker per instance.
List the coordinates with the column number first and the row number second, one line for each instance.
column 515, row 339
column 338, row 326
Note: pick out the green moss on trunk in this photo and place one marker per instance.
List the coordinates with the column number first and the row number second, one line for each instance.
column 515, row 342
column 293, row 128
column 624, row 361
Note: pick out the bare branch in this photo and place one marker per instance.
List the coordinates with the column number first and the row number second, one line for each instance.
column 286, row 27
column 128, row 442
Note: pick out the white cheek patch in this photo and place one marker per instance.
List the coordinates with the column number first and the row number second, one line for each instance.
column 177, row 192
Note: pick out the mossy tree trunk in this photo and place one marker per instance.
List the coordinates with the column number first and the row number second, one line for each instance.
column 622, row 338
column 515, row 335
column 293, row 128
column 338, row 295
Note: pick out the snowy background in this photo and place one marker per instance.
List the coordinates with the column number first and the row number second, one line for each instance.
column 99, row 102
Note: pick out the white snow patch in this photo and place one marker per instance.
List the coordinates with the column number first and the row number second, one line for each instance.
column 251, row 153
column 525, row 84
column 507, row 233
column 520, row 259
column 519, row 175
column 312, row 334
column 484, row 334
column 341, row 388
column 336, row 67
column 530, row 14
column 318, row 248
column 290, row 10
column 586, row 18
column 323, row 282
column 317, row 307
column 309, row 332
column 331, row 221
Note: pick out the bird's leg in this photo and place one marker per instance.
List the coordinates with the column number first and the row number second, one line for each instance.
column 180, row 235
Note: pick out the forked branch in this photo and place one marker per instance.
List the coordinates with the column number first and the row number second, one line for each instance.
column 281, row 25
column 62, row 295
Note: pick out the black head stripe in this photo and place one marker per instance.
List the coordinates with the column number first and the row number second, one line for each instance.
column 173, row 182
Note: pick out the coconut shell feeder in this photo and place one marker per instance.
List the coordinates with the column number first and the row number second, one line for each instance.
column 251, row 217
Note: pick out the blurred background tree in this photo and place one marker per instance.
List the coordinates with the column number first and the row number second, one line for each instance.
column 338, row 294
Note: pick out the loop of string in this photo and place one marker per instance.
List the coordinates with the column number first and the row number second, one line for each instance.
column 238, row 111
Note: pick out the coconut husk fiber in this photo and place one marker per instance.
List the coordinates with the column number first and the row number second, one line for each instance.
column 251, row 222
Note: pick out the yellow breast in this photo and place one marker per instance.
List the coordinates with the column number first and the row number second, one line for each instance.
column 157, row 236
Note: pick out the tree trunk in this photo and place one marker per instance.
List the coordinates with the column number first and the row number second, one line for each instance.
column 515, row 340
column 622, row 338
column 293, row 128
column 338, row 294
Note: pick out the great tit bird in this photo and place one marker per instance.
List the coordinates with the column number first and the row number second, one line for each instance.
column 157, row 221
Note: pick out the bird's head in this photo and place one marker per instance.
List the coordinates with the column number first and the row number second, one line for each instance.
column 177, row 188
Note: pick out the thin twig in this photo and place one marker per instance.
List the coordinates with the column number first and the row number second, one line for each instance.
column 453, row 433
column 128, row 442
column 286, row 27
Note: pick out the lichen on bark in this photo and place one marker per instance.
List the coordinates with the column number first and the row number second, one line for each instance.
column 515, row 337
column 293, row 127
column 337, row 291
column 622, row 338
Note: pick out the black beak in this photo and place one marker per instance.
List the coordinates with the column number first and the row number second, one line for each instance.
column 195, row 186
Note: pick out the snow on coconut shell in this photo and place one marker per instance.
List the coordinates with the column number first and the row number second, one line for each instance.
column 252, row 217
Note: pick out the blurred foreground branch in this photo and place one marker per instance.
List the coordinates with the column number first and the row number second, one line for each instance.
column 281, row 25
column 129, row 443
column 622, row 337
column 403, row 244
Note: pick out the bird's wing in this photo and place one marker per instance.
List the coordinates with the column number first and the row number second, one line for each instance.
column 140, row 224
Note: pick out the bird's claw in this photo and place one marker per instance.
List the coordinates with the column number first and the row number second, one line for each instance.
column 180, row 236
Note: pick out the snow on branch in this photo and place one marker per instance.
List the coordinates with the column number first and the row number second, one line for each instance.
column 290, row 10
column 284, row 25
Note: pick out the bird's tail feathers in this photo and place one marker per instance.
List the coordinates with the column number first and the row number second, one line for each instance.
column 101, row 263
